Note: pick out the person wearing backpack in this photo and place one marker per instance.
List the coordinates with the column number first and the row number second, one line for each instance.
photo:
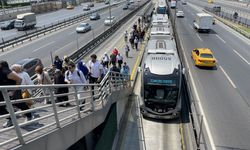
column 82, row 66
column 75, row 76
column 58, row 63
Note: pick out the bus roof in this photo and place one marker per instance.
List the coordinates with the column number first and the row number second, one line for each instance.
column 160, row 43
column 160, row 30
column 162, row 64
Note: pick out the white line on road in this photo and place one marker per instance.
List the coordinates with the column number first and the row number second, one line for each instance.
column 229, row 79
column 199, row 36
column 63, row 47
column 220, row 38
column 210, row 138
column 43, row 46
column 241, row 57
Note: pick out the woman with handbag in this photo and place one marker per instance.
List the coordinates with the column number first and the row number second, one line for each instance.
column 26, row 80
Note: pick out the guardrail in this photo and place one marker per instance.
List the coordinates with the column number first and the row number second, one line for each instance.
column 50, row 28
column 82, row 98
column 15, row 9
column 230, row 16
column 195, row 116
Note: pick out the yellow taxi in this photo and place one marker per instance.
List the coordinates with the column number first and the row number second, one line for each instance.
column 70, row 6
column 203, row 57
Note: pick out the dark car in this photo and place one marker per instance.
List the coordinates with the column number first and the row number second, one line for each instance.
column 94, row 16
column 8, row 25
column 125, row 7
column 106, row 2
column 29, row 65
column 91, row 4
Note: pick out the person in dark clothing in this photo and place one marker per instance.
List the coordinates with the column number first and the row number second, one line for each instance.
column 82, row 67
column 59, row 79
column 58, row 63
column 9, row 77
column 113, row 59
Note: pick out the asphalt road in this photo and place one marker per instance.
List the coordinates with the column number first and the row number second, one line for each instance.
column 47, row 19
column 223, row 92
column 61, row 43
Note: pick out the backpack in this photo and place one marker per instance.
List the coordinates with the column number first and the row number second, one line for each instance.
column 112, row 58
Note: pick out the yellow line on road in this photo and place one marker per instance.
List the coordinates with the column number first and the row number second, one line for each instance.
column 137, row 61
column 182, row 137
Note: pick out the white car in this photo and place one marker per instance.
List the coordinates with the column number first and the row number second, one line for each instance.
column 83, row 27
column 85, row 7
column 180, row 13
column 109, row 21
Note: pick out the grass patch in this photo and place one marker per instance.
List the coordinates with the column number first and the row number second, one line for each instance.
column 244, row 28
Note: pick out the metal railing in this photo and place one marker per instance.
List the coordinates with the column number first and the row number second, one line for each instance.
column 244, row 21
column 7, row 11
column 51, row 116
column 48, row 29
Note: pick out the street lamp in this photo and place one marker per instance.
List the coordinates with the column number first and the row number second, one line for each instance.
column 110, row 14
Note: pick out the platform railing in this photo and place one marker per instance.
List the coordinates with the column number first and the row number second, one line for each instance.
column 51, row 116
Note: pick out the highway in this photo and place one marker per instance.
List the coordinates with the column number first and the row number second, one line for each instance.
column 47, row 19
column 62, row 42
column 223, row 92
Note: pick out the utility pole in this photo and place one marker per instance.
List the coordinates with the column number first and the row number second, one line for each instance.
column 110, row 14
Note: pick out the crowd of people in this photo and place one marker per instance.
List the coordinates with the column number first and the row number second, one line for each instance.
column 65, row 72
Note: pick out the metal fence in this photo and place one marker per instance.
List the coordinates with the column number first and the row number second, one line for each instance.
column 51, row 116
column 15, row 9
column 230, row 16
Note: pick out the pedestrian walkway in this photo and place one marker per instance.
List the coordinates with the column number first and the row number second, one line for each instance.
column 46, row 112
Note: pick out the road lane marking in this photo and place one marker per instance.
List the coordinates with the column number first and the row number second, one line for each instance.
column 229, row 79
column 43, row 46
column 210, row 138
column 199, row 36
column 63, row 47
column 241, row 57
column 220, row 38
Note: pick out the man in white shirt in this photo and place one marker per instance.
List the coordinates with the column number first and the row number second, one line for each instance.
column 96, row 70
column 119, row 59
column 75, row 76
column 105, row 60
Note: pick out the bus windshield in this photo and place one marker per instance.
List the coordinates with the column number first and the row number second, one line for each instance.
column 160, row 93
column 161, row 10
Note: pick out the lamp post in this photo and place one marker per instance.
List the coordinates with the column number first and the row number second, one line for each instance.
column 110, row 14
